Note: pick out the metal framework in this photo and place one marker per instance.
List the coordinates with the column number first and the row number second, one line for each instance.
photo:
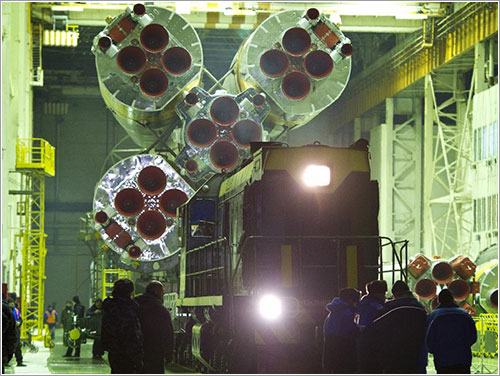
column 447, row 166
column 410, row 62
column 401, row 165
column 34, row 160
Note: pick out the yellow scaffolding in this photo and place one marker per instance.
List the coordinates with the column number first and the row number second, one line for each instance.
column 109, row 276
column 35, row 159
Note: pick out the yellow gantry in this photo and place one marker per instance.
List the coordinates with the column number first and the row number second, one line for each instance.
column 35, row 159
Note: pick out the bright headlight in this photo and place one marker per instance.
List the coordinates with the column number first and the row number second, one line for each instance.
column 316, row 176
column 270, row 307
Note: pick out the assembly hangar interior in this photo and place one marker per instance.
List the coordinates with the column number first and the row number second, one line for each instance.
column 123, row 122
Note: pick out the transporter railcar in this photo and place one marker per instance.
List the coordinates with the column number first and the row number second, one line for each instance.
column 265, row 248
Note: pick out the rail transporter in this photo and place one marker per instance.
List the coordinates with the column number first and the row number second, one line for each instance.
column 265, row 248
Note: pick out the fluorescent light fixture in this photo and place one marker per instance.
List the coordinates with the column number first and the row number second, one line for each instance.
column 64, row 8
column 60, row 38
column 270, row 307
column 316, row 176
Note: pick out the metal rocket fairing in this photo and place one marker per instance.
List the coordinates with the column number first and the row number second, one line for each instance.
column 300, row 60
column 135, row 206
column 145, row 58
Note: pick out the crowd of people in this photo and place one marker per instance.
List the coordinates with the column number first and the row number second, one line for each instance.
column 368, row 334
column 375, row 335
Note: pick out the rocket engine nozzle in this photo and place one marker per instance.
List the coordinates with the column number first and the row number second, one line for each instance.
column 246, row 131
column 296, row 86
column 274, row 63
column 493, row 300
column 442, row 272
column 131, row 59
column 318, row 64
column 129, row 202
column 296, row 41
column 459, row 289
column 224, row 155
column 151, row 225
column 134, row 252
column 224, row 111
column 171, row 200
column 101, row 217
column 152, row 180
column 347, row 49
column 425, row 289
column 153, row 82
column 154, row 38
column 202, row 132
column 176, row 61
column 139, row 9
column 312, row 13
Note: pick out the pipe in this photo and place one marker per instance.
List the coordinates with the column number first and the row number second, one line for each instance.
column 224, row 111
column 318, row 64
column 153, row 82
column 491, row 63
column 296, row 86
column 296, row 41
column 152, row 180
column 129, row 202
column 201, row 132
column 223, row 155
column 274, row 63
column 176, row 61
column 131, row 59
column 171, row 200
column 459, row 289
column 246, row 131
column 154, row 38
column 442, row 272
column 425, row 289
column 151, row 225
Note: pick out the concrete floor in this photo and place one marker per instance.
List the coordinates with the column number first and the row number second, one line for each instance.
column 50, row 361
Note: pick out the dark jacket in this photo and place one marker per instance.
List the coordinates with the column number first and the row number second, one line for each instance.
column 368, row 308
column 67, row 318
column 396, row 336
column 79, row 310
column 450, row 334
column 121, row 331
column 9, row 333
column 340, row 333
column 156, row 326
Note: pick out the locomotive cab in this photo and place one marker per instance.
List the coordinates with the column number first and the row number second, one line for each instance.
column 266, row 247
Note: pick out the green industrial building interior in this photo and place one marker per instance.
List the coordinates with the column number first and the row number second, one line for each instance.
column 423, row 90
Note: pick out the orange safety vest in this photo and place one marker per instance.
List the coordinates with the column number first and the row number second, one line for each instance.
column 51, row 317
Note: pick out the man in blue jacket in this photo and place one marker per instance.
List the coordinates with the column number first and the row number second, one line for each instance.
column 450, row 334
column 340, row 333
